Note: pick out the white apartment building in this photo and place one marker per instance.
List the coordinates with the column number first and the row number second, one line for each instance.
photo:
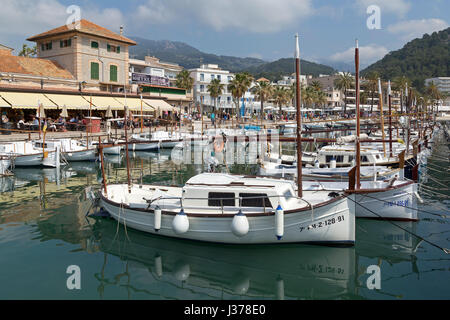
column 442, row 83
column 202, row 78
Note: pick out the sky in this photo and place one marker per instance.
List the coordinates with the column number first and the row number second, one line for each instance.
column 245, row 28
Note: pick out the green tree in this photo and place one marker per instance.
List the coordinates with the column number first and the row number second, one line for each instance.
column 343, row 83
column 184, row 80
column 28, row 52
column 215, row 89
column 281, row 96
column 263, row 91
column 238, row 86
column 372, row 86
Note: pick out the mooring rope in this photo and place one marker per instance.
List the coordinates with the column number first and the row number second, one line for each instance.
column 446, row 251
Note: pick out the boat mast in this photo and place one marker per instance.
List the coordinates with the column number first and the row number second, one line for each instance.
column 382, row 115
column 299, row 118
column 390, row 118
column 358, row 145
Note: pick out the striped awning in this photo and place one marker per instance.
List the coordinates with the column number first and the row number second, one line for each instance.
column 134, row 104
column 102, row 103
column 160, row 104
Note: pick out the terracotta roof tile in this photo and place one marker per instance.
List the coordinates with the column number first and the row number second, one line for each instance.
column 86, row 27
column 33, row 66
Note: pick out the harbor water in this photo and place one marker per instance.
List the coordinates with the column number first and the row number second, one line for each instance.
column 47, row 224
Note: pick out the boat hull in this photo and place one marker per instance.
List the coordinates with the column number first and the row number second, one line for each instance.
column 144, row 146
column 330, row 224
column 83, row 155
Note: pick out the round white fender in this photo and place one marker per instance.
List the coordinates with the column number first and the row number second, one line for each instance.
column 279, row 222
column 180, row 224
column 182, row 271
column 157, row 218
column 239, row 225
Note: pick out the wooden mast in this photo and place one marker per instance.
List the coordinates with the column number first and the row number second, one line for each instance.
column 390, row 118
column 382, row 115
column 358, row 131
column 142, row 117
column 299, row 118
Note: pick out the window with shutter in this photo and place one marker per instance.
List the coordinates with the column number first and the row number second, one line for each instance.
column 94, row 44
column 113, row 73
column 118, row 49
column 94, row 71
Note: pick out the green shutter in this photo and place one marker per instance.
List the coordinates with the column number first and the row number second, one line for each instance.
column 51, row 45
column 60, row 43
column 42, row 47
column 108, row 47
column 118, row 49
column 94, row 44
column 69, row 43
column 113, row 73
column 94, row 71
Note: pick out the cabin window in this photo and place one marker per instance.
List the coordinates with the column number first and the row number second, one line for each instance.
column 219, row 199
column 328, row 158
column 258, row 200
column 288, row 195
column 340, row 159
column 364, row 159
column 40, row 145
column 350, row 158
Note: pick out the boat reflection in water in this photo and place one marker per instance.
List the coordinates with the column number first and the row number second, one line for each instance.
column 209, row 271
column 173, row 269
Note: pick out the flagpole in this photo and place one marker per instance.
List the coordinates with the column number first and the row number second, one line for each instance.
column 299, row 119
column 390, row 118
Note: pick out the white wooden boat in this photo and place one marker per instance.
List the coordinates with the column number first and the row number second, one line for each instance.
column 383, row 200
column 24, row 154
column 327, row 174
column 143, row 142
column 225, row 208
column 71, row 150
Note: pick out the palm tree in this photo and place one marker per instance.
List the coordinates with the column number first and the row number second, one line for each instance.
column 344, row 82
column 184, row 80
column 316, row 85
column 321, row 98
column 238, row 86
column 263, row 91
column 281, row 96
column 372, row 86
column 215, row 89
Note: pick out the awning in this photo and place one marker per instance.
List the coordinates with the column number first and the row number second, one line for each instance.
column 102, row 103
column 72, row 102
column 135, row 104
column 160, row 104
column 22, row 100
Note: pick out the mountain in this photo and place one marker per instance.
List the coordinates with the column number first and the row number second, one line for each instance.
column 286, row 66
column 419, row 59
column 190, row 57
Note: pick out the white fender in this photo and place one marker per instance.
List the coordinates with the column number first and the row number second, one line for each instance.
column 279, row 222
column 239, row 225
column 180, row 224
column 157, row 218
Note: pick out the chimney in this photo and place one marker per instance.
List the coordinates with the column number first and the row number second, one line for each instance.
column 121, row 30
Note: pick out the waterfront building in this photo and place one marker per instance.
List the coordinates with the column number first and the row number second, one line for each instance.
column 96, row 57
column 202, row 78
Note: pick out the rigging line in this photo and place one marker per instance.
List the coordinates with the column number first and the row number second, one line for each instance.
column 446, row 251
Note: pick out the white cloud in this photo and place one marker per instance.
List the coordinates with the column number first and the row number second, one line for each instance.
column 398, row 7
column 258, row 16
column 412, row 29
column 367, row 54
column 20, row 19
